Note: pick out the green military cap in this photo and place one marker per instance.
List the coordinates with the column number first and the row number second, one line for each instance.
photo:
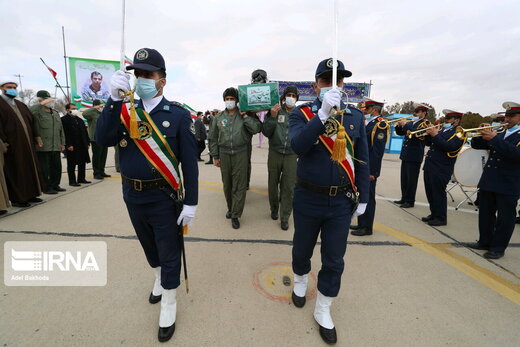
column 43, row 94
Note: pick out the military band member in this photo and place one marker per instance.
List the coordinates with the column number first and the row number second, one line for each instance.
column 152, row 142
column 281, row 161
column 326, row 193
column 412, row 154
column 438, row 166
column 499, row 185
column 377, row 132
column 230, row 135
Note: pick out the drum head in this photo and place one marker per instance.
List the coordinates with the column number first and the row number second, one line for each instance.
column 469, row 166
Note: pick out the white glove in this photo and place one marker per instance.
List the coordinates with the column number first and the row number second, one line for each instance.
column 187, row 215
column 330, row 99
column 119, row 81
column 360, row 210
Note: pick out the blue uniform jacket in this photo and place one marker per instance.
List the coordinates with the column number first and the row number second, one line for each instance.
column 176, row 125
column 377, row 134
column 314, row 162
column 413, row 149
column 437, row 159
column 502, row 170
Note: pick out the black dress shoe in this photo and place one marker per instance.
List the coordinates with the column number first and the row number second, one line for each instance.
column 2, row 212
column 399, row 202
column 60, row 189
column 84, row 182
column 476, row 245
column 274, row 215
column 284, row 225
column 98, row 177
column 436, row 223
column 355, row 227
column 228, row 214
column 407, row 205
column 427, row 218
column 20, row 204
column 35, row 200
column 166, row 333
column 74, row 184
column 235, row 223
column 361, row 232
column 209, row 162
column 328, row 335
column 517, row 221
column 153, row 299
column 106, row 175
column 201, row 159
column 493, row 255
column 50, row 192
column 298, row 301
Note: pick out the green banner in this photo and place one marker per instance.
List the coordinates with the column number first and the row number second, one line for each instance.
column 256, row 97
column 90, row 79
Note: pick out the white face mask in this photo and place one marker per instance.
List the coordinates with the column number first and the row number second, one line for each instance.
column 49, row 104
column 230, row 104
column 290, row 102
column 74, row 112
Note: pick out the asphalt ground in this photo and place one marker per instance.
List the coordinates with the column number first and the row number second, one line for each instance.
column 408, row 284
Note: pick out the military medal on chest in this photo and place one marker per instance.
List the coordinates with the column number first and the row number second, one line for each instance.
column 123, row 143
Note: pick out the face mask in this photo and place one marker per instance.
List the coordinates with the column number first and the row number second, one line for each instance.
column 230, row 104
column 495, row 124
column 74, row 112
column 323, row 91
column 290, row 102
column 415, row 119
column 145, row 88
column 11, row 93
column 49, row 104
column 446, row 125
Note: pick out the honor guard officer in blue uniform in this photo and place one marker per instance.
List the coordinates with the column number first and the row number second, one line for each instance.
column 148, row 154
column 377, row 131
column 326, row 193
column 412, row 154
column 499, row 185
column 445, row 146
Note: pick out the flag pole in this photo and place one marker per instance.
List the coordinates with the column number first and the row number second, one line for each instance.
column 335, row 46
column 65, row 60
column 57, row 83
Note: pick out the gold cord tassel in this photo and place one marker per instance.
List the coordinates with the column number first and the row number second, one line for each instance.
column 339, row 152
column 134, row 129
column 185, row 230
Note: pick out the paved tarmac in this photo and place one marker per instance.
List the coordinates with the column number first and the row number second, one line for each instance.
column 409, row 284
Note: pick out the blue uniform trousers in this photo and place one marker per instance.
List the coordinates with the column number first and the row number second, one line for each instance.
column 496, row 228
column 409, row 178
column 435, row 185
column 155, row 224
column 366, row 220
column 314, row 213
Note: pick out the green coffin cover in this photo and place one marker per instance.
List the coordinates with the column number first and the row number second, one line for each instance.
column 256, row 97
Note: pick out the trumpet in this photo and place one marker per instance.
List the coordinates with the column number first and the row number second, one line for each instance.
column 461, row 133
column 422, row 132
column 398, row 119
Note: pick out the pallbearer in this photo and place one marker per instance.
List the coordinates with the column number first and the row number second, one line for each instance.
column 377, row 132
column 499, row 186
column 412, row 154
column 153, row 140
column 326, row 192
column 438, row 166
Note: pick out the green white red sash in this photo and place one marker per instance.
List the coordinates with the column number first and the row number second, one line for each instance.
column 328, row 142
column 154, row 147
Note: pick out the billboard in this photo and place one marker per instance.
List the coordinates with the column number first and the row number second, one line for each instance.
column 90, row 79
column 355, row 91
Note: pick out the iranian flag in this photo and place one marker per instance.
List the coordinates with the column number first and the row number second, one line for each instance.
column 193, row 113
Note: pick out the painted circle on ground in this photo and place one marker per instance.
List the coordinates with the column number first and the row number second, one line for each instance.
column 275, row 281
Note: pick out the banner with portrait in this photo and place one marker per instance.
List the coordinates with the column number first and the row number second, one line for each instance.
column 90, row 79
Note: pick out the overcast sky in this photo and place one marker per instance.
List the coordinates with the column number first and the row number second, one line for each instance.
column 463, row 55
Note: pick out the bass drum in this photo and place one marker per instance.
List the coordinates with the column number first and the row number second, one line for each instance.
column 469, row 166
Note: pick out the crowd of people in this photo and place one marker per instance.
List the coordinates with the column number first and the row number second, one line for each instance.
column 324, row 161
column 32, row 140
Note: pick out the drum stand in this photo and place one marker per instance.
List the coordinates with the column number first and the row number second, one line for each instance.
column 468, row 193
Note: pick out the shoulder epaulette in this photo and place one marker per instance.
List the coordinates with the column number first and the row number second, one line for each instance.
column 178, row 104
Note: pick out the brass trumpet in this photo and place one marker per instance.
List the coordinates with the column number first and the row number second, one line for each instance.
column 398, row 119
column 422, row 132
column 461, row 133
